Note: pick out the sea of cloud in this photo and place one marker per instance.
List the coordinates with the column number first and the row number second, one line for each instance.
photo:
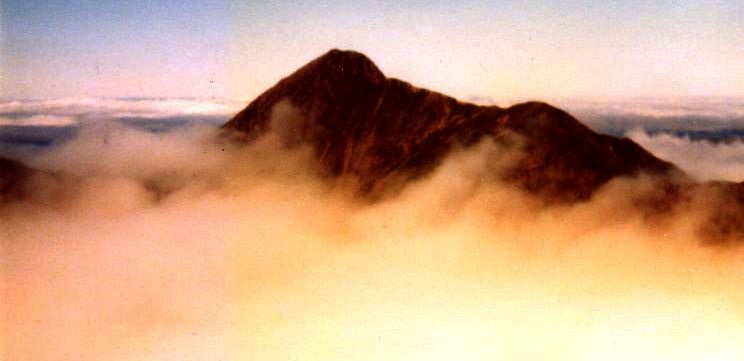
column 704, row 136
column 149, row 245
column 659, row 114
column 30, row 125
column 99, row 108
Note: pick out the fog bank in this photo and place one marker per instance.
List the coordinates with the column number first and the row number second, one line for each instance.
column 171, row 246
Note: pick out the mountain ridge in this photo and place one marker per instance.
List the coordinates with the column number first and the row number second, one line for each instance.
column 365, row 125
column 375, row 129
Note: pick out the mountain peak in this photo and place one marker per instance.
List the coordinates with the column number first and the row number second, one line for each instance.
column 343, row 66
column 336, row 77
column 348, row 59
column 374, row 129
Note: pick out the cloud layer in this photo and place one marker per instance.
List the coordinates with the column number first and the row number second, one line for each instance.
column 704, row 136
column 27, row 126
column 703, row 159
column 172, row 246
column 113, row 108
column 690, row 114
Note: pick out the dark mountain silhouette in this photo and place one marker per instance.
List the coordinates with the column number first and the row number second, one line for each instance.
column 13, row 176
column 380, row 130
column 372, row 128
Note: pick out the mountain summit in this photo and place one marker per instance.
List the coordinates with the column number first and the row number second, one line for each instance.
column 373, row 128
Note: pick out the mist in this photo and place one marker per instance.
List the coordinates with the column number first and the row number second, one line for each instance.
column 140, row 245
column 714, row 117
column 704, row 159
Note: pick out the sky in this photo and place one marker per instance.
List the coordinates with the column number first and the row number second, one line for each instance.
column 497, row 50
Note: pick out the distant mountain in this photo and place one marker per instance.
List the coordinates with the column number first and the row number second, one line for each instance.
column 13, row 175
column 373, row 128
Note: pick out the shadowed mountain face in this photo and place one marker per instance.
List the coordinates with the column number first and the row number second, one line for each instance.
column 374, row 129
column 13, row 175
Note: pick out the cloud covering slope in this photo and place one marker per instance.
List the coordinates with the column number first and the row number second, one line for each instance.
column 171, row 246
